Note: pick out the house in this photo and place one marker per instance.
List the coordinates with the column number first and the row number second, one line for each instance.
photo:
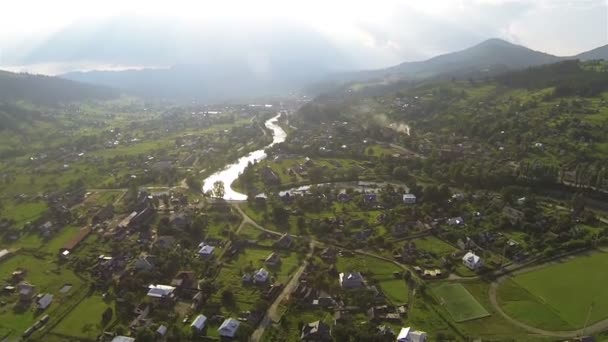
column 229, row 328
column 472, row 261
column 123, row 339
column 26, row 291
column 199, row 323
column 143, row 217
column 456, row 221
column 45, row 301
column 145, row 263
column 316, row 331
column 261, row 276
column 75, row 241
column 269, row 177
column 409, row 199
column 104, row 214
column 409, row 335
column 285, row 241
column 161, row 291
column 46, row 229
column 458, row 197
column 126, row 222
column 164, row 242
column 161, row 331
column 205, row 250
column 343, row 197
column 247, row 278
column 273, row 260
column 370, row 198
column 4, row 253
column 328, row 254
column 179, row 221
column 184, row 280
column 351, row 280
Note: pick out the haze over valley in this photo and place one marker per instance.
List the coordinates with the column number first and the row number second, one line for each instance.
column 304, row 171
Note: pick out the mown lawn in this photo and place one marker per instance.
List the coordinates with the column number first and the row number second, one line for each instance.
column 85, row 320
column 23, row 212
column 46, row 276
column 567, row 290
column 461, row 305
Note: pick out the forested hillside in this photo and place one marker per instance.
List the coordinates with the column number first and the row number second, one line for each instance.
column 543, row 125
column 47, row 90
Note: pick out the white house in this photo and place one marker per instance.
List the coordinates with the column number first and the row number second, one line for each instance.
column 456, row 221
column 261, row 276
column 205, row 251
column 409, row 199
column 161, row 331
column 351, row 280
column 409, row 335
column 160, row 291
column 123, row 339
column 229, row 328
column 199, row 323
column 472, row 261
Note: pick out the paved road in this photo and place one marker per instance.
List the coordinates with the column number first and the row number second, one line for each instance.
column 272, row 315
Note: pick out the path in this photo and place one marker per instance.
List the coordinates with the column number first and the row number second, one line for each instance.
column 247, row 219
column 272, row 315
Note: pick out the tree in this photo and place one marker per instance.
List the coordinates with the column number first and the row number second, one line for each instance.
column 106, row 316
column 193, row 183
column 218, row 189
column 227, row 298
column 145, row 335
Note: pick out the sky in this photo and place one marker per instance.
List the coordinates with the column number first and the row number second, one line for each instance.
column 42, row 35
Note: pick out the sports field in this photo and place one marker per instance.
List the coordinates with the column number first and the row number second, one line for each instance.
column 568, row 291
column 461, row 305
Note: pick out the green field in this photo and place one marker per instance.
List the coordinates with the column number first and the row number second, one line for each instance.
column 85, row 320
column 561, row 295
column 461, row 305
column 47, row 277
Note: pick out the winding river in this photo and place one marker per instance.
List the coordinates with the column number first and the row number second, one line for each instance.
column 229, row 174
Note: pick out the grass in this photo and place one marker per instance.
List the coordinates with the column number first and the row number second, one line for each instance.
column 247, row 295
column 85, row 320
column 46, row 276
column 377, row 271
column 524, row 306
column 64, row 236
column 433, row 245
column 553, row 288
column 23, row 212
column 461, row 305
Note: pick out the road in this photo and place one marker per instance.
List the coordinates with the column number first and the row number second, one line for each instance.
column 272, row 315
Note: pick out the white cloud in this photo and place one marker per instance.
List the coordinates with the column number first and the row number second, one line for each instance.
column 374, row 33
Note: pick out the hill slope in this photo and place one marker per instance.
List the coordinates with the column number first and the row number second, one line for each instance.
column 45, row 90
column 491, row 57
column 597, row 53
